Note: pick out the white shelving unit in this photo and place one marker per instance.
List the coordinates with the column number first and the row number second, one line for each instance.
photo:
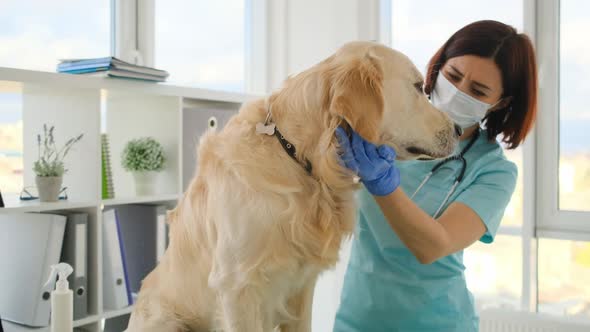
column 123, row 109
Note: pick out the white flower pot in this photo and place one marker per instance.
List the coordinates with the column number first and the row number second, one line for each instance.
column 48, row 187
column 145, row 183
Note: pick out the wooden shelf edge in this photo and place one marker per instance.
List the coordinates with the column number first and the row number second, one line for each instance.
column 141, row 200
column 118, row 312
column 14, row 205
column 90, row 82
column 86, row 320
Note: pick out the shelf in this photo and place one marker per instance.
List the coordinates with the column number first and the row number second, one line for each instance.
column 122, row 109
column 141, row 200
column 118, row 312
column 77, row 323
column 80, row 81
column 13, row 205
column 86, row 320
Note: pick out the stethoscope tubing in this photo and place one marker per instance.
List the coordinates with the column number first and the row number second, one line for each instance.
column 460, row 157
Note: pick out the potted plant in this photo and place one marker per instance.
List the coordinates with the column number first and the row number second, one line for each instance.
column 49, row 167
column 144, row 157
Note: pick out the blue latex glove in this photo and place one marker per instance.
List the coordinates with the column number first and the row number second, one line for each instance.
column 375, row 165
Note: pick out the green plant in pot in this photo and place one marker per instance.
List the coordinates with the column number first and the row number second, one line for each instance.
column 144, row 157
column 49, row 167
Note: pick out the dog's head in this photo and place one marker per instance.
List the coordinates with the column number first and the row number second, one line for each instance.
column 378, row 91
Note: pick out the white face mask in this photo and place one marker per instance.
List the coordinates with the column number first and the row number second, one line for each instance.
column 463, row 109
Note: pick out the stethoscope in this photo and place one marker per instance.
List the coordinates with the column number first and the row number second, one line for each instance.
column 460, row 157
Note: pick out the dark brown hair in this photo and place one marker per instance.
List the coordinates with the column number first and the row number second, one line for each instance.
column 513, row 53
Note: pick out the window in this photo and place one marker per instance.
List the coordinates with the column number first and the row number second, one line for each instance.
column 201, row 43
column 494, row 272
column 564, row 272
column 564, row 265
column 36, row 34
column 563, row 163
column 574, row 116
column 513, row 216
column 11, row 138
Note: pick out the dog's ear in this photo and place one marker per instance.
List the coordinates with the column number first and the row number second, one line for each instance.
column 355, row 93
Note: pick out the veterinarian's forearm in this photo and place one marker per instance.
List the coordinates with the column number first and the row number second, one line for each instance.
column 425, row 237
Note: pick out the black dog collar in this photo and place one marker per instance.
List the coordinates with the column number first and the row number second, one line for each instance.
column 269, row 128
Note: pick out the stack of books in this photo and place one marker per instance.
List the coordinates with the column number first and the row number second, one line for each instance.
column 110, row 67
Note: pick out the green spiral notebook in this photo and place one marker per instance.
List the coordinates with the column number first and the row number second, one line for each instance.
column 108, row 190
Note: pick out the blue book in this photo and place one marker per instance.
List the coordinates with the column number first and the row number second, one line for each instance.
column 79, row 67
column 83, row 71
column 116, row 67
column 79, row 62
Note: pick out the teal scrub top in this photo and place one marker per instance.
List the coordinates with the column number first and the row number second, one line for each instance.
column 385, row 287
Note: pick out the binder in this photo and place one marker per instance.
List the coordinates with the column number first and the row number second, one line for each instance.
column 116, row 324
column 29, row 244
column 138, row 227
column 75, row 253
column 125, row 74
column 116, row 294
column 13, row 327
column 161, row 232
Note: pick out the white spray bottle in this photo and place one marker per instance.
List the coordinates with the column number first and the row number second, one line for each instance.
column 62, row 309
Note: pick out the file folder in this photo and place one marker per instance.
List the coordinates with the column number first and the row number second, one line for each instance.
column 161, row 232
column 75, row 253
column 29, row 244
column 13, row 327
column 138, row 228
column 116, row 294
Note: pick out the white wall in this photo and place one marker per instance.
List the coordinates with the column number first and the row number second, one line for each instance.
column 301, row 33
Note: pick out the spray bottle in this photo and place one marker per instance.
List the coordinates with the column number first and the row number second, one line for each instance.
column 62, row 310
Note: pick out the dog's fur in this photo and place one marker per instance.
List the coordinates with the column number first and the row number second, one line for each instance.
column 254, row 230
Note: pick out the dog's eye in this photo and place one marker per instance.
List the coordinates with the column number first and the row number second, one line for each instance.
column 419, row 87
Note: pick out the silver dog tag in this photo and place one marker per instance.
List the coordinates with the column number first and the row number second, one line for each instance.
column 268, row 129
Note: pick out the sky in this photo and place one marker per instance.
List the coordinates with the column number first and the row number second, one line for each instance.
column 202, row 43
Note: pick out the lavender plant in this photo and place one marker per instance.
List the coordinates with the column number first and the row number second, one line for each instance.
column 50, row 159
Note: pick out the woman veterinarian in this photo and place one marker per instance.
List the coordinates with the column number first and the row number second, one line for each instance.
column 406, row 266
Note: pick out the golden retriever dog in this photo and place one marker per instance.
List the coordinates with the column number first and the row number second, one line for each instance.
column 256, row 226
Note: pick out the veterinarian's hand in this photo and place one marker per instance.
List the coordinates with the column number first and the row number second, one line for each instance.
column 375, row 165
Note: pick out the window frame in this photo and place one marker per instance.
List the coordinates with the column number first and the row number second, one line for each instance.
column 133, row 33
column 552, row 222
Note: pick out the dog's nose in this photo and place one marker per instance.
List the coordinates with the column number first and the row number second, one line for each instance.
column 458, row 130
